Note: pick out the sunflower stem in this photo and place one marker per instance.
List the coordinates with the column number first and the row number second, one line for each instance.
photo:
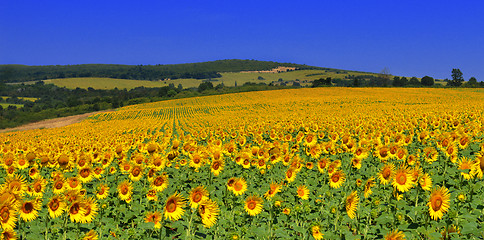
column 46, row 227
column 64, row 227
column 189, row 225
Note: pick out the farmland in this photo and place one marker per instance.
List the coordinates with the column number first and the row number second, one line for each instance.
column 338, row 163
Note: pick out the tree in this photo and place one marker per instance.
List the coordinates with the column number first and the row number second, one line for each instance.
column 205, row 86
column 457, row 78
column 472, row 82
column 414, row 81
column 427, row 81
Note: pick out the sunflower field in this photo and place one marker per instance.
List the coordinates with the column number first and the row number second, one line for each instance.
column 323, row 163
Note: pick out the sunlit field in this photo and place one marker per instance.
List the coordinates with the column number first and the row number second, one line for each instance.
column 332, row 163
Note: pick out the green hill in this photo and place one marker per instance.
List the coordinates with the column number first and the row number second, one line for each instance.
column 202, row 70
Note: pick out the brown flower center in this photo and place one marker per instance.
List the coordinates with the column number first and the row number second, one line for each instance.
column 171, row 206
column 251, row 205
column 436, row 203
column 28, row 207
column 401, row 178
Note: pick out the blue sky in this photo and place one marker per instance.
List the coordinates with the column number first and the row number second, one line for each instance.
column 410, row 38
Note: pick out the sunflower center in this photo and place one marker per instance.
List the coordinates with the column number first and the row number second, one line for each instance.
column 15, row 185
column 85, row 173
column 28, row 207
column 386, row 173
column 197, row 197
column 300, row 192
column 401, row 179
column 196, row 160
column 238, row 186
column 5, row 214
column 54, row 204
column 21, row 162
column 383, row 152
column 202, row 210
column 158, row 181
column 261, row 162
column 74, row 208
column 88, row 211
column 246, row 162
column 136, row 172
column 216, row 165
column 73, row 183
column 289, row 174
column 358, row 152
column 59, row 185
column 335, row 178
column 124, row 190
column 37, row 187
column 251, row 205
column 171, row 206
column 63, row 160
column 437, row 203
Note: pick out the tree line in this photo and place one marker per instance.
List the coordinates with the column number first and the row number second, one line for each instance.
column 203, row 70
column 386, row 80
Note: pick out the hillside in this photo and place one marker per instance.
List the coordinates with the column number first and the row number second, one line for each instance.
column 202, row 70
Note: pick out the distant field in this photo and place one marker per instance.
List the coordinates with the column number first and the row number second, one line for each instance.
column 32, row 99
column 5, row 105
column 228, row 79
column 102, row 83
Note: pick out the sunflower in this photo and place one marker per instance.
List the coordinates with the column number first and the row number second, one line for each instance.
column 230, row 183
column 76, row 211
column 8, row 234
column 91, row 235
column 22, row 162
column 197, row 195
column 337, row 179
column 431, row 155
column 29, row 210
column 425, row 182
column 90, row 210
column 316, row 231
column 395, row 235
column 174, row 207
column 125, row 190
column 467, row 167
column 290, row 174
column 368, row 184
column 240, row 186
column 8, row 213
column 85, row 174
column 439, row 202
column 401, row 153
column 16, row 185
column 217, row 166
column 38, row 187
column 74, row 183
column 479, row 164
column 356, row 162
column 386, row 173
column 56, row 206
column 152, row 195
column 209, row 211
column 34, row 172
column 303, row 192
column 352, row 204
column 253, row 205
column 154, row 217
column 273, row 189
column 383, row 153
column 196, row 160
column 322, row 164
column 403, row 179
column 286, row 211
column 160, row 182
column 102, row 191
column 136, row 173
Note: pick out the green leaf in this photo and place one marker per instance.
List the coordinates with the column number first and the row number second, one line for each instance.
column 469, row 227
column 435, row 235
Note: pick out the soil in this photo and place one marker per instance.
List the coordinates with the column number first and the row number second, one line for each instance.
column 52, row 123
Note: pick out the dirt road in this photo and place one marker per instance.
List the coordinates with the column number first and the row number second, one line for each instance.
column 52, row 123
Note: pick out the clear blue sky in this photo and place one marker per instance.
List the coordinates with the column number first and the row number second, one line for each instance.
column 411, row 38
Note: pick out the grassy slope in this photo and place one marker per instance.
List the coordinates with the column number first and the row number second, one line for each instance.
column 228, row 79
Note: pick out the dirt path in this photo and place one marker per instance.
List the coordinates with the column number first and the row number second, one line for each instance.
column 52, row 123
